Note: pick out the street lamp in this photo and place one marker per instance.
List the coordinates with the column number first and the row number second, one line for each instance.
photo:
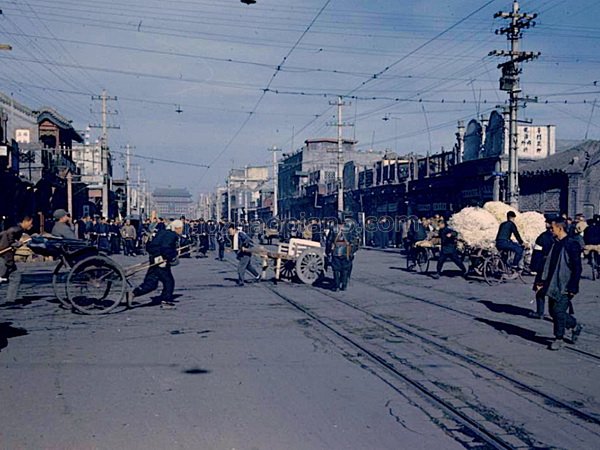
column 248, row 2
column 396, row 119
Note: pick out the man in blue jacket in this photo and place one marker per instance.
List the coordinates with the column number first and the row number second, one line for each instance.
column 507, row 230
column 162, row 251
column 541, row 250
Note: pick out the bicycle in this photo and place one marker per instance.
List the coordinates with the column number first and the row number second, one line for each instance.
column 492, row 265
column 419, row 256
column 497, row 268
column 594, row 262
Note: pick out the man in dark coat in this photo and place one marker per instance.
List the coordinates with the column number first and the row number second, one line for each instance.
column 202, row 233
column 449, row 239
column 162, row 251
column 506, row 231
column 541, row 250
column 102, row 229
column 560, row 282
column 221, row 238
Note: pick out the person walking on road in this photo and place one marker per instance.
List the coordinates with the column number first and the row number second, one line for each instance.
column 221, row 237
column 507, row 230
column 341, row 246
column 241, row 243
column 449, row 250
column 541, row 250
column 162, row 251
column 560, row 282
column 129, row 235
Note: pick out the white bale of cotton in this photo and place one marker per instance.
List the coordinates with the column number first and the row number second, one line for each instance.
column 475, row 226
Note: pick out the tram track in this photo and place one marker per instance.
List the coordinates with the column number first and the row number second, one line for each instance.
column 488, row 438
column 430, row 341
column 594, row 357
column 463, row 416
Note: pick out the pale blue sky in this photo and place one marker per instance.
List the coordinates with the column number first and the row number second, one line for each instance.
column 157, row 54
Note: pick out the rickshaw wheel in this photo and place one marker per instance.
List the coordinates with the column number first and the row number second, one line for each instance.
column 96, row 285
column 59, row 284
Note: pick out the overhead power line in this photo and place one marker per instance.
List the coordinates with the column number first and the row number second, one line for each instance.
column 266, row 89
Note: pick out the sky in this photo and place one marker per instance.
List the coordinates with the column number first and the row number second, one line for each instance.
column 245, row 78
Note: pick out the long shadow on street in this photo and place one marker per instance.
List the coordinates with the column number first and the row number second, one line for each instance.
column 505, row 308
column 514, row 330
column 7, row 331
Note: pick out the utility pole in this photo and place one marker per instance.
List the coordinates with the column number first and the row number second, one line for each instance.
column 128, row 149
column 510, row 82
column 246, row 193
column 104, row 149
column 70, row 193
column 275, row 149
column 141, row 203
column 229, row 198
column 340, row 155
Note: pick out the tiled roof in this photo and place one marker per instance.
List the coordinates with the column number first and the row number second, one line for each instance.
column 171, row 192
column 565, row 161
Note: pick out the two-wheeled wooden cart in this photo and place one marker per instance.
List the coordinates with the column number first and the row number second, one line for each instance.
column 300, row 258
column 85, row 279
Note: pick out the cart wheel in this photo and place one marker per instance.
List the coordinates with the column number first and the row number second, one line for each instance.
column 59, row 283
column 310, row 265
column 96, row 285
column 410, row 262
column 288, row 269
column 422, row 257
column 494, row 270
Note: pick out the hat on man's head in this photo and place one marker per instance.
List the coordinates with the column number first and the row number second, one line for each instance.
column 59, row 214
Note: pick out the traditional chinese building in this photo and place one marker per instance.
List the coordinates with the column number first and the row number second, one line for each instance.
column 566, row 182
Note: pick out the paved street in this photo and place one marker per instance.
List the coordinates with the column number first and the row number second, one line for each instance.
column 399, row 361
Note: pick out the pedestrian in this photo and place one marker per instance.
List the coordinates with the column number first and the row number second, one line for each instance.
column 541, row 250
column 62, row 227
column 241, row 243
column 317, row 231
column 102, row 232
column 212, row 239
column 506, row 231
column 9, row 242
column 129, row 235
column 162, row 253
column 202, row 232
column 114, row 236
column 82, row 227
column 449, row 249
column 417, row 232
column 560, row 282
column 221, row 237
column 341, row 247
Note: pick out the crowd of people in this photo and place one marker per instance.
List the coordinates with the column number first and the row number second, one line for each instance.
column 556, row 260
